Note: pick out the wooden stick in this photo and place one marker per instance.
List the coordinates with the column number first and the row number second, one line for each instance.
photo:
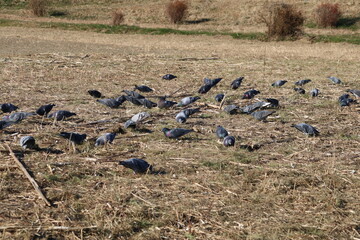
column 222, row 102
column 143, row 200
column 53, row 228
column 32, row 180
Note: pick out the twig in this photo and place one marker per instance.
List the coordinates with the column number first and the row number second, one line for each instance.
column 53, row 228
column 143, row 200
column 32, row 180
column 222, row 102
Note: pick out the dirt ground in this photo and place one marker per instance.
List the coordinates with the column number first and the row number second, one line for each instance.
column 290, row 187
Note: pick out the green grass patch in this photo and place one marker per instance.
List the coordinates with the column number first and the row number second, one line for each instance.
column 126, row 29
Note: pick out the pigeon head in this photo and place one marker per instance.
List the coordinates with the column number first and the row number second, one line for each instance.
column 165, row 130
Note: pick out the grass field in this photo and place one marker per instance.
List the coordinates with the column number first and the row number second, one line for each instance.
column 276, row 183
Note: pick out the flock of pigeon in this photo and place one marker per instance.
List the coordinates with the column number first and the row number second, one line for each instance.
column 141, row 166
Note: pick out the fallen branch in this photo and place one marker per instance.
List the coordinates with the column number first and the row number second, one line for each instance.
column 32, row 180
column 53, row 228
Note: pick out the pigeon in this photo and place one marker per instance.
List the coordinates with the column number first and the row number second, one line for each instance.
column 176, row 132
column 28, row 142
column 251, row 108
column 147, row 103
column 8, row 107
column 221, row 132
column 137, row 165
column 302, row 82
column 345, row 100
column 334, row 80
column 95, row 93
column 314, row 92
column 45, row 109
column 121, row 99
column 104, row 139
column 250, row 94
column 186, row 101
column 61, row 115
column 219, row 97
column 262, row 115
column 279, row 83
column 169, row 77
column 231, row 109
column 137, row 118
column 109, row 102
column 306, row 128
column 204, row 89
column 133, row 100
column 229, row 141
column 299, row 90
column 212, row 82
column 273, row 102
column 163, row 103
column 182, row 116
column 4, row 124
column 143, row 88
column 133, row 94
column 236, row 83
column 76, row 138
column 17, row 117
column 355, row 92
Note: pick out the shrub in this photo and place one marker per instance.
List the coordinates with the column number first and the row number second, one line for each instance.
column 38, row 7
column 327, row 14
column 282, row 20
column 176, row 10
column 117, row 17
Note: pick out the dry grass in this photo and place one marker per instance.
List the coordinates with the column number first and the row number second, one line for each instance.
column 176, row 10
column 293, row 187
column 282, row 20
column 327, row 14
column 117, row 17
column 38, row 7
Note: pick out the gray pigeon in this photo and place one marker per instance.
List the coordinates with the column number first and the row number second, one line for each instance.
column 147, row 103
column 212, row 82
column 61, row 115
column 345, row 100
column 250, row 108
column 279, row 83
column 17, row 117
column 44, row 109
column 163, row 103
column 133, row 94
column 104, row 139
column 186, row 101
column 169, row 77
column 109, row 102
column 182, row 116
column 302, row 82
column 273, row 102
column 143, row 88
column 205, row 88
column 299, row 90
column 250, row 94
column 8, row 107
column 137, row 118
column 76, row 138
column 355, row 92
column 231, row 109
column 229, row 141
column 221, row 132
column 95, row 93
column 334, row 80
column 236, row 83
column 314, row 92
column 4, row 124
column 176, row 132
column 262, row 115
column 219, row 97
column 28, row 142
column 306, row 128
column 137, row 165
